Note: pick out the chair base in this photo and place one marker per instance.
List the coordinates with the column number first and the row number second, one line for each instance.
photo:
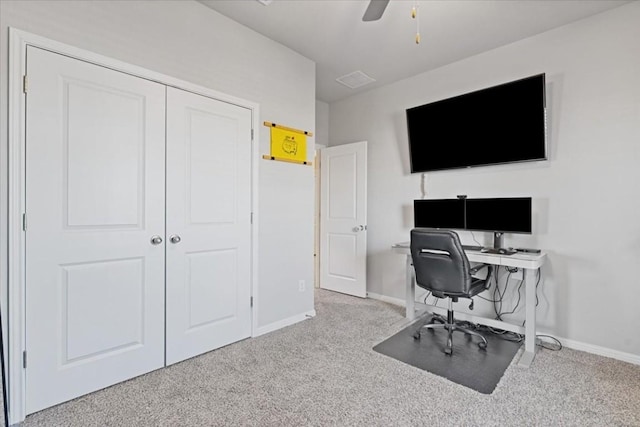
column 450, row 326
column 441, row 319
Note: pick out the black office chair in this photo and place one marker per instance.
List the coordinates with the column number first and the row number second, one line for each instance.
column 443, row 268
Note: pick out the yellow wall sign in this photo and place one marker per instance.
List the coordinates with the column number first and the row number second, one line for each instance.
column 288, row 144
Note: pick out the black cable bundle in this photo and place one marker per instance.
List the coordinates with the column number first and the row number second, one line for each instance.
column 497, row 307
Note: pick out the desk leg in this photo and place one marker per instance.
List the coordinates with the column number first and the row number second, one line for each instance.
column 410, row 290
column 530, row 325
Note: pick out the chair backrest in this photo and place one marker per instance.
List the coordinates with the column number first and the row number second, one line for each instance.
column 440, row 263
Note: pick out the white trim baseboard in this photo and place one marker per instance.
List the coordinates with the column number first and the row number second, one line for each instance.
column 391, row 300
column 284, row 322
column 599, row 350
column 566, row 342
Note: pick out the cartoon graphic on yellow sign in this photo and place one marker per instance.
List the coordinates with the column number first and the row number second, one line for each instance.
column 287, row 144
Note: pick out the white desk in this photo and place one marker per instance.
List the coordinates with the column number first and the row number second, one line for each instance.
column 528, row 262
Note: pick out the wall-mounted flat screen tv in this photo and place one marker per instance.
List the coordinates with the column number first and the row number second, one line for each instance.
column 500, row 124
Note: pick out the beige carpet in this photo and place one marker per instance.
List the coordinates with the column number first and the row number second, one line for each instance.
column 323, row 372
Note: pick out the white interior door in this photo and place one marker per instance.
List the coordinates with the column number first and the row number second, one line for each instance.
column 343, row 219
column 94, row 198
column 208, row 224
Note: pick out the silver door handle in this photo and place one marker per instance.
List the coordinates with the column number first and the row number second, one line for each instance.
column 175, row 239
column 156, row 240
column 358, row 228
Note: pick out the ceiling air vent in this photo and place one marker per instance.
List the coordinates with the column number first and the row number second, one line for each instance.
column 355, row 79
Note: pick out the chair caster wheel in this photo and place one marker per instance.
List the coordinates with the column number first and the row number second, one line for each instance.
column 416, row 336
column 482, row 345
column 448, row 351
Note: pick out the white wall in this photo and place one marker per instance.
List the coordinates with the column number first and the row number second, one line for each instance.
column 187, row 40
column 322, row 123
column 586, row 198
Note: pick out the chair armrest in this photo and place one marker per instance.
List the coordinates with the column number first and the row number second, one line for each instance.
column 477, row 268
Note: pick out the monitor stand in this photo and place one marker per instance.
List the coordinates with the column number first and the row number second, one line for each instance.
column 498, row 240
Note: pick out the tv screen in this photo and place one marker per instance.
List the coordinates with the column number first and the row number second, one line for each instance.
column 510, row 215
column 439, row 213
column 501, row 124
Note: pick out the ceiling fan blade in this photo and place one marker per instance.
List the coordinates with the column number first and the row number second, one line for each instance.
column 375, row 10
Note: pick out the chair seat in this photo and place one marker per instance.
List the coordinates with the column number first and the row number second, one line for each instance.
column 477, row 286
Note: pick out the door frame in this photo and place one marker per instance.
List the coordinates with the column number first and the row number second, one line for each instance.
column 15, row 308
column 316, row 214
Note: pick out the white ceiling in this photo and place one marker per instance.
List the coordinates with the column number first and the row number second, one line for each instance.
column 331, row 32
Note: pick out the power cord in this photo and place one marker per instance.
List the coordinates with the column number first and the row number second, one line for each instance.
column 515, row 308
column 501, row 333
column 435, row 303
column 537, row 283
column 473, row 236
column 537, row 300
column 489, row 279
column 556, row 346
column 423, row 185
column 427, row 296
column 497, row 310
column 513, row 336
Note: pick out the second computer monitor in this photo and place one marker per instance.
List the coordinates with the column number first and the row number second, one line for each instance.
column 503, row 215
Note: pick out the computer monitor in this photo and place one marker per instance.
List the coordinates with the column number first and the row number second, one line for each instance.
column 500, row 215
column 439, row 213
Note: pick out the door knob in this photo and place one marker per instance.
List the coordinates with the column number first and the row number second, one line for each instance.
column 156, row 240
column 175, row 239
column 358, row 228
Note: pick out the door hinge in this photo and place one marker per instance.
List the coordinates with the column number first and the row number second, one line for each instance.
column 25, row 82
column 24, row 222
column 24, row 359
column 252, row 135
column 251, row 217
column 251, row 301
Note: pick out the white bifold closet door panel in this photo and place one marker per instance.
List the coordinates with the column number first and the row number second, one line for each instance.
column 208, row 224
column 95, row 173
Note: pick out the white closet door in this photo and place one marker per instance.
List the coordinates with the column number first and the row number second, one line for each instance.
column 209, row 212
column 94, row 197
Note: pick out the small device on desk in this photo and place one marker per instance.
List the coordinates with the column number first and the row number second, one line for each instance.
column 499, row 251
column 527, row 250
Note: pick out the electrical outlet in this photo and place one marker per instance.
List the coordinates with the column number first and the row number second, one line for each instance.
column 301, row 285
